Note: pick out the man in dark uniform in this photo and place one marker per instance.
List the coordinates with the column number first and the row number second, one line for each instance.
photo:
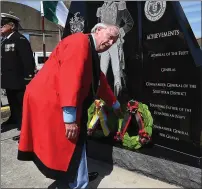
column 17, row 66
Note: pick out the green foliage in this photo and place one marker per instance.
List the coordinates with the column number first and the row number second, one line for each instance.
column 131, row 142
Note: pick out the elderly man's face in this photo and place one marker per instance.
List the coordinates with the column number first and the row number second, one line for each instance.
column 106, row 37
column 6, row 28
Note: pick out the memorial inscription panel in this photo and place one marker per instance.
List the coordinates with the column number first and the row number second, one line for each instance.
column 172, row 81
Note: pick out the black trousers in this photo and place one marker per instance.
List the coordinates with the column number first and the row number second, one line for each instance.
column 15, row 100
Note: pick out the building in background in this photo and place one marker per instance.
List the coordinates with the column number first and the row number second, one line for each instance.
column 32, row 27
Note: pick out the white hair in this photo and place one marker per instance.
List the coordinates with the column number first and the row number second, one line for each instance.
column 102, row 25
column 98, row 25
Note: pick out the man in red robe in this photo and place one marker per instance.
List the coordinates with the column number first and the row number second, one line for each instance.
column 54, row 125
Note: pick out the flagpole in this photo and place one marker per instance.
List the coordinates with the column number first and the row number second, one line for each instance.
column 59, row 33
column 43, row 31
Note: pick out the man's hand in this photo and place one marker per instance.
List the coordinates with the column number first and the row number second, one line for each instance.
column 71, row 130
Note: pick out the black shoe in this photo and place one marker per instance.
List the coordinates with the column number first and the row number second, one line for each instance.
column 16, row 138
column 92, row 176
column 8, row 125
column 9, row 122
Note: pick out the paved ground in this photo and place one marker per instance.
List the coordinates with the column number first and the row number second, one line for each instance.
column 17, row 174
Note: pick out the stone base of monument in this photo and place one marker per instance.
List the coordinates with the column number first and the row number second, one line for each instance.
column 159, row 168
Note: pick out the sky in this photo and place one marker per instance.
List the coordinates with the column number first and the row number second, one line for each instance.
column 192, row 11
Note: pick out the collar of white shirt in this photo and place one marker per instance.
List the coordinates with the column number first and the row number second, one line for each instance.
column 9, row 35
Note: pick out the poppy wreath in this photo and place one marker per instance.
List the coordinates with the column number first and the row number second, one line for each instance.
column 136, row 111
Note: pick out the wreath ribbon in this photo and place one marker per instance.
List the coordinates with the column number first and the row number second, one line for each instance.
column 143, row 136
column 99, row 116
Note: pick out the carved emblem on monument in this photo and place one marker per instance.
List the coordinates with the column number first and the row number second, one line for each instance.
column 77, row 23
column 154, row 10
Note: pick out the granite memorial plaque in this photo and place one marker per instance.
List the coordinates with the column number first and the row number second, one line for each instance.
column 172, row 64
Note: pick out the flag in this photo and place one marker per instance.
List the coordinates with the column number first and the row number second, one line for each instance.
column 55, row 11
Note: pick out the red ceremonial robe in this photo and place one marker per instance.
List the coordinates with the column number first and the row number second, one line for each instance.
column 64, row 80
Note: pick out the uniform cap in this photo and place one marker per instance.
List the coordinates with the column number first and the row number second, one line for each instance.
column 10, row 16
column 6, row 18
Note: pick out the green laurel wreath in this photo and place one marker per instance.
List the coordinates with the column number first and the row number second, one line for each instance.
column 112, row 121
column 133, row 142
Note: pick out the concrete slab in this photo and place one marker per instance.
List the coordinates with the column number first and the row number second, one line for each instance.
column 18, row 174
column 156, row 168
column 121, row 178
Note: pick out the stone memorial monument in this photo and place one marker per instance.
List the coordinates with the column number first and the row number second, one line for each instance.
column 163, row 71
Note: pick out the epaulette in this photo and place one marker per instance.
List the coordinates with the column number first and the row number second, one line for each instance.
column 122, row 5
